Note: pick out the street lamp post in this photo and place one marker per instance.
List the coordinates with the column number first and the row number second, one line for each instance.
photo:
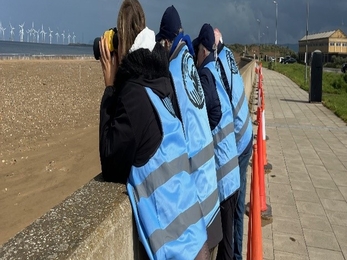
column 306, row 51
column 258, row 38
column 275, row 2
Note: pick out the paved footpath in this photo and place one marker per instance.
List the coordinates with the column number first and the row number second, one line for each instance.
column 307, row 187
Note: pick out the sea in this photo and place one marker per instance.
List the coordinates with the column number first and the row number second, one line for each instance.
column 12, row 49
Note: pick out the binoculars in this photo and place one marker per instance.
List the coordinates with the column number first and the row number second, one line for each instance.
column 112, row 42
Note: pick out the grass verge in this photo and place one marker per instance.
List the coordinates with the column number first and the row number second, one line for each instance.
column 334, row 85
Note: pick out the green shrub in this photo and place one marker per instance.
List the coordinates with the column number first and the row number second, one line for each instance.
column 345, row 77
column 334, row 86
column 329, row 65
column 336, row 62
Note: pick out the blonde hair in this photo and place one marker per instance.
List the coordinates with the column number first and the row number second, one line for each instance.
column 131, row 21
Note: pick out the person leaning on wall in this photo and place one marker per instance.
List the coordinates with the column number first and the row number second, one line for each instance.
column 222, row 128
column 142, row 141
column 192, row 106
column 243, row 130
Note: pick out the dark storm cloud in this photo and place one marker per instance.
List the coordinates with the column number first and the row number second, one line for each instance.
column 237, row 19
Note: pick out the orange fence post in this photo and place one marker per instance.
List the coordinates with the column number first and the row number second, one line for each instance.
column 264, row 137
column 267, row 166
column 261, row 72
column 266, row 210
column 259, row 88
column 255, row 242
column 261, row 164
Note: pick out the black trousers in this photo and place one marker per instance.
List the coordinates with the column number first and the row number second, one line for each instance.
column 227, row 209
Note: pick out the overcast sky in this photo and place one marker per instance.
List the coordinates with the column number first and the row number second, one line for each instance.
column 236, row 19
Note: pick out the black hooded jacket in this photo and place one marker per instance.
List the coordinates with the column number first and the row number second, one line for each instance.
column 130, row 130
column 208, row 84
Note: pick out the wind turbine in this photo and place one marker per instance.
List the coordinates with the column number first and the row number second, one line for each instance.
column 11, row 32
column 50, row 35
column 36, row 35
column 28, row 35
column 42, row 32
column 63, row 34
column 68, row 38
column 32, row 32
column 57, row 34
column 73, row 37
column 21, row 32
column 2, row 29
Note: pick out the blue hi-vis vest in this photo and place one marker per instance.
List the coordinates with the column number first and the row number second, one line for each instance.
column 191, row 101
column 242, row 120
column 225, row 151
column 163, row 195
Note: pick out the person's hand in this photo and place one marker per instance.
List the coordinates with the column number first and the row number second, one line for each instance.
column 109, row 63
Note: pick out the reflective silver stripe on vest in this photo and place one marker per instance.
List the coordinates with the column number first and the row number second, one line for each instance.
column 242, row 131
column 208, row 204
column 175, row 229
column 196, row 162
column 223, row 133
column 239, row 104
column 160, row 175
column 227, row 168
column 201, row 157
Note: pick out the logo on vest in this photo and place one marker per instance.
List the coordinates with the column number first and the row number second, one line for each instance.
column 191, row 81
column 231, row 62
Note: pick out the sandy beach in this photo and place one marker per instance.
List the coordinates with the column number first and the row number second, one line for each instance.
column 49, row 115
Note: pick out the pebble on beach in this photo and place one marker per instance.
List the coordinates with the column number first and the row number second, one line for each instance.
column 40, row 98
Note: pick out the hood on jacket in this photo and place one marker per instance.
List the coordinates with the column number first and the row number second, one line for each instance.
column 146, row 68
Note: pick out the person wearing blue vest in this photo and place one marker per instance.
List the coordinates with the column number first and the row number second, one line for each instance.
column 142, row 143
column 192, row 106
column 222, row 127
column 243, row 130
